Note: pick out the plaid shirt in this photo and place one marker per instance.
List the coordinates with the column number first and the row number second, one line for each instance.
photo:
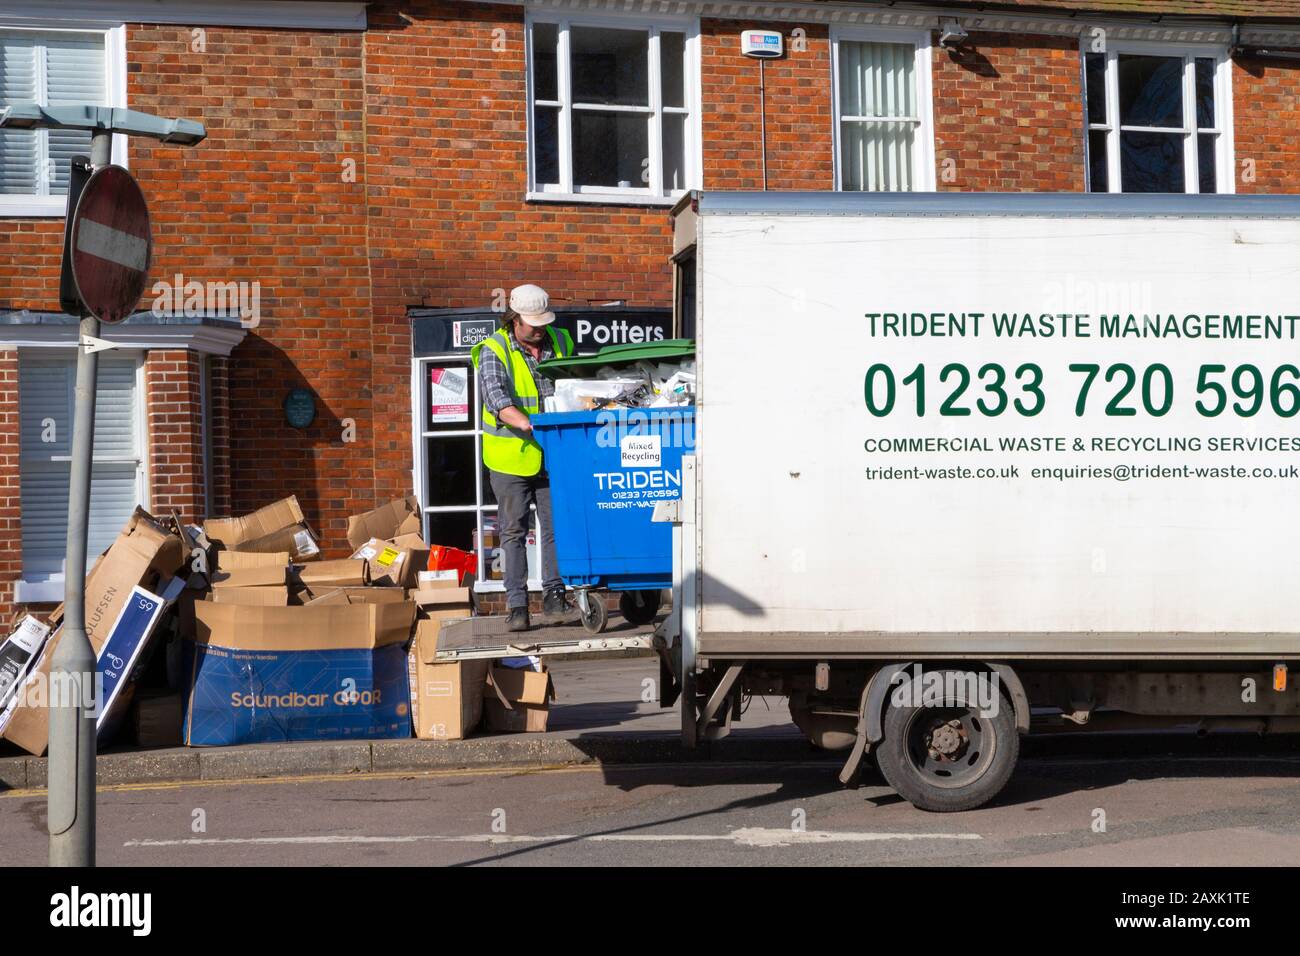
column 495, row 384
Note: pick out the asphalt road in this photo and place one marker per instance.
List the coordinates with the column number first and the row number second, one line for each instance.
column 1135, row 803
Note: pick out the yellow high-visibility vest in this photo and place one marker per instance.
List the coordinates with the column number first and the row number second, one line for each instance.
column 506, row 449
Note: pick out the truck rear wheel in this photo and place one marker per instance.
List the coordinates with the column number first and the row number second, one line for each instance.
column 948, row 757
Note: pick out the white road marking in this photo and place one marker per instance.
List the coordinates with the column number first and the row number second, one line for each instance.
column 745, row 836
column 105, row 242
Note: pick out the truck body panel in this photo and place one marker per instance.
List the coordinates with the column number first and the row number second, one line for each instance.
column 1132, row 526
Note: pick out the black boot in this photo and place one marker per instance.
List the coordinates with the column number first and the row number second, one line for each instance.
column 556, row 604
column 518, row 619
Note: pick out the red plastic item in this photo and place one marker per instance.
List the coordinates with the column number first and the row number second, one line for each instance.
column 443, row 558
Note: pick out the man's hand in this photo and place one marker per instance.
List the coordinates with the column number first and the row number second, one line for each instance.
column 515, row 419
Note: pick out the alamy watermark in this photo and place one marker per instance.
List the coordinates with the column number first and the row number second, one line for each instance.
column 196, row 299
column 979, row 690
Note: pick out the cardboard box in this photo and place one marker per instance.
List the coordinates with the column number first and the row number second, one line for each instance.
column 277, row 527
column 324, row 575
column 427, row 580
column 332, row 672
column 446, row 698
column 263, row 577
column 241, row 560
column 124, row 651
column 141, row 555
column 395, row 563
column 157, row 717
column 356, row 596
column 518, row 700
column 443, row 604
column 257, row 597
column 398, row 517
column 18, row 653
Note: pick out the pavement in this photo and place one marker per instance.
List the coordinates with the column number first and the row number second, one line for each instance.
column 606, row 711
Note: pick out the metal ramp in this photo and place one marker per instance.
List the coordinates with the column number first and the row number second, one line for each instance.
column 487, row 637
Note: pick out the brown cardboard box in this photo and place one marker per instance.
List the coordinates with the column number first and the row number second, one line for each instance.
column 265, row 577
column 395, row 563
column 144, row 552
column 446, row 698
column 356, row 596
column 443, row 604
column 320, row 576
column 398, row 517
column 277, row 527
column 302, row 628
column 518, row 700
column 242, row 560
column 257, row 597
column 157, row 719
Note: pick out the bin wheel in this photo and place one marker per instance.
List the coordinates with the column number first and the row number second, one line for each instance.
column 640, row 607
column 597, row 614
column 948, row 757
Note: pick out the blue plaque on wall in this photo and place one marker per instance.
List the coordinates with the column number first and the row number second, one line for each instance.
column 300, row 407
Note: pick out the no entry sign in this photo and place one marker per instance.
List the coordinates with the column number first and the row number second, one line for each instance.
column 111, row 244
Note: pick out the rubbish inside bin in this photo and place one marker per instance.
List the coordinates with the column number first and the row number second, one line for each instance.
column 641, row 385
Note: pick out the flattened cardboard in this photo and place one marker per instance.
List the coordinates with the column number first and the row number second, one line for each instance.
column 307, row 628
column 257, row 597
column 446, row 698
column 355, row 596
column 241, row 560
column 399, row 517
column 144, row 552
column 265, row 577
column 345, row 572
column 280, row 526
column 274, row 517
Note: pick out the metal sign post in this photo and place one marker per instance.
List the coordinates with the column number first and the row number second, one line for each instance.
column 106, row 265
column 71, row 788
column 106, row 253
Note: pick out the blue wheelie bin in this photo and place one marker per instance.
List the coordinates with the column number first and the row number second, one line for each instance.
column 608, row 469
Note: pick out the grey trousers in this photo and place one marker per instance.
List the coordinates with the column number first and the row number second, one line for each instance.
column 514, row 496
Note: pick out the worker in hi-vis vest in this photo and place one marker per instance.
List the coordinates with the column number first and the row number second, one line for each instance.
column 512, row 391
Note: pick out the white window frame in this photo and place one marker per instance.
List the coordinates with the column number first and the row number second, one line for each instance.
column 923, row 157
column 421, row 435
column 653, row 194
column 14, row 206
column 1225, row 162
column 50, row 590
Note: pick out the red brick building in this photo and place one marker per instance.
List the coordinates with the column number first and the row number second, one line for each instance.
column 368, row 166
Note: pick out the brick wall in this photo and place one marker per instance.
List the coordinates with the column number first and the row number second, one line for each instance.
column 275, row 196
column 219, row 437
column 446, row 172
column 175, row 412
column 1266, row 103
column 1008, row 115
column 799, row 113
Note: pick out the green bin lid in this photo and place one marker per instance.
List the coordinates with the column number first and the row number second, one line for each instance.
column 618, row 355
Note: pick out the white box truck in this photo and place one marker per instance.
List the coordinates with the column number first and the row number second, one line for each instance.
column 967, row 459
